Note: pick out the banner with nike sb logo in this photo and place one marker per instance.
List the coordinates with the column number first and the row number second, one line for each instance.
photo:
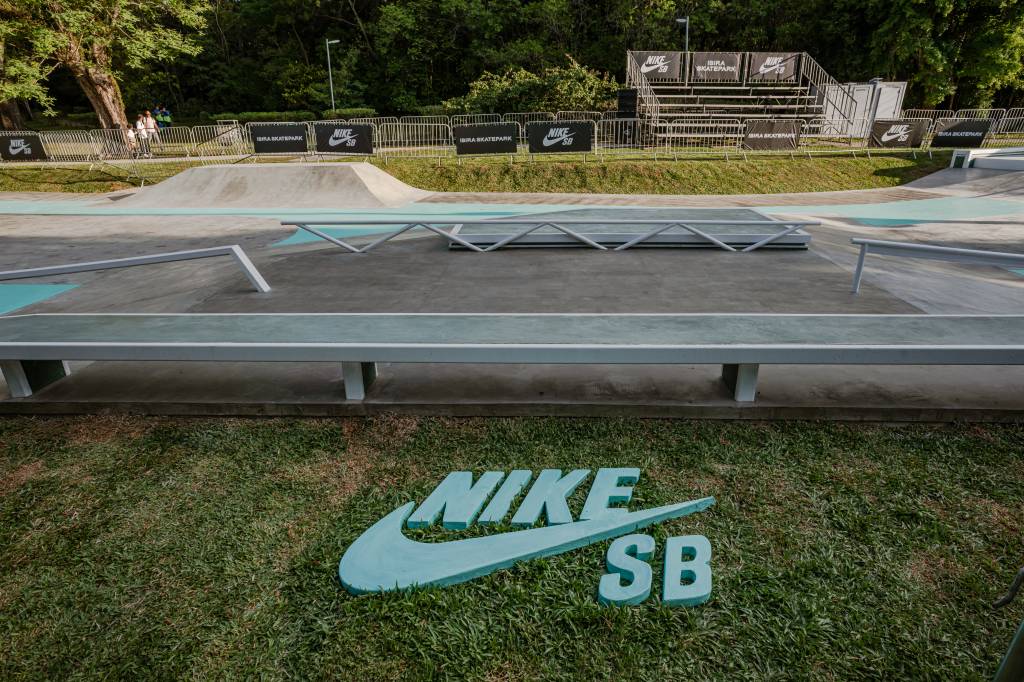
column 384, row 558
column 715, row 66
column 546, row 137
column 486, row 138
column 772, row 66
column 961, row 133
column 22, row 147
column 898, row 133
column 343, row 138
column 278, row 138
column 762, row 134
column 660, row 66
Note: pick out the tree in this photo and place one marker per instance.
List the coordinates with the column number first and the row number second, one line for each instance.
column 23, row 66
column 94, row 39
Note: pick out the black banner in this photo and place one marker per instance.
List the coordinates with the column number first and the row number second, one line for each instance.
column 560, row 136
column 486, row 138
column 772, row 66
column 27, row 147
column 715, row 66
column 343, row 138
column 660, row 66
column 962, row 133
column 898, row 133
column 763, row 134
column 276, row 138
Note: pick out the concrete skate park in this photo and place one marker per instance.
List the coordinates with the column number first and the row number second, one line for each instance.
column 281, row 215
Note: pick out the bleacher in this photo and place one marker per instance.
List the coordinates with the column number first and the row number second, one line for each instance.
column 738, row 85
column 736, row 102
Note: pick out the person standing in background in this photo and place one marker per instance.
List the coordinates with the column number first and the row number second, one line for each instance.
column 142, row 136
column 152, row 129
column 158, row 114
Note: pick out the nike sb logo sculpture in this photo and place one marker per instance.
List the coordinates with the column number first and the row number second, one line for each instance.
column 383, row 559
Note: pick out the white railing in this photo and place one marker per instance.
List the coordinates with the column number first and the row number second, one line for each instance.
column 980, row 114
column 213, row 143
column 833, row 134
column 622, row 137
column 690, row 136
column 69, row 145
column 425, row 120
column 831, row 93
column 475, row 119
column 930, row 114
column 398, row 140
column 647, row 104
column 375, row 120
column 578, row 116
column 523, row 118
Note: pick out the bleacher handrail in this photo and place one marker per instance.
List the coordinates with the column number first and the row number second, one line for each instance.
column 646, row 99
column 827, row 88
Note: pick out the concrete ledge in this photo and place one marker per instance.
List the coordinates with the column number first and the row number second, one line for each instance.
column 863, row 393
column 604, row 410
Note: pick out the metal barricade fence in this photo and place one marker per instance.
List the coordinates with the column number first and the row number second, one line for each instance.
column 426, row 120
column 979, row 114
column 825, row 134
column 621, row 137
column 375, row 120
column 120, row 148
column 118, row 143
column 524, row 117
column 406, row 140
column 475, row 119
column 697, row 136
column 1009, row 133
column 173, row 141
column 579, row 116
column 930, row 114
column 69, row 145
column 212, row 144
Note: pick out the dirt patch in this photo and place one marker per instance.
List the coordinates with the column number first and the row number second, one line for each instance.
column 367, row 443
column 106, row 428
column 933, row 571
column 17, row 478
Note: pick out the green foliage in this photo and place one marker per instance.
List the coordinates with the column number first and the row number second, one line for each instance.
column 570, row 88
column 433, row 110
column 264, row 116
column 399, row 55
column 25, row 49
column 351, row 112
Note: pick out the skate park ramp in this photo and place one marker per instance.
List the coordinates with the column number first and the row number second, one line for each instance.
column 277, row 185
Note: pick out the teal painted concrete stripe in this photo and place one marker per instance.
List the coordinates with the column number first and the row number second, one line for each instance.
column 409, row 211
column 902, row 212
column 14, row 296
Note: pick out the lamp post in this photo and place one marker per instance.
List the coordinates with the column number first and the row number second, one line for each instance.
column 686, row 22
column 330, row 75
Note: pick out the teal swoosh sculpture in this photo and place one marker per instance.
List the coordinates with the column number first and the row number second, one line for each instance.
column 383, row 559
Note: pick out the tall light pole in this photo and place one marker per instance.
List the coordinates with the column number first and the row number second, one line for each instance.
column 330, row 75
column 686, row 22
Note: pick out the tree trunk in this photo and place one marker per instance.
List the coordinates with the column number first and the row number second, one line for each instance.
column 10, row 115
column 104, row 94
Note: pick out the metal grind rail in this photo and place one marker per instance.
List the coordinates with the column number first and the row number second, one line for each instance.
column 654, row 228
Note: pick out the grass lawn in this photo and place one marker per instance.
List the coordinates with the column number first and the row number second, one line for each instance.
column 757, row 175
column 703, row 176
column 176, row 548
